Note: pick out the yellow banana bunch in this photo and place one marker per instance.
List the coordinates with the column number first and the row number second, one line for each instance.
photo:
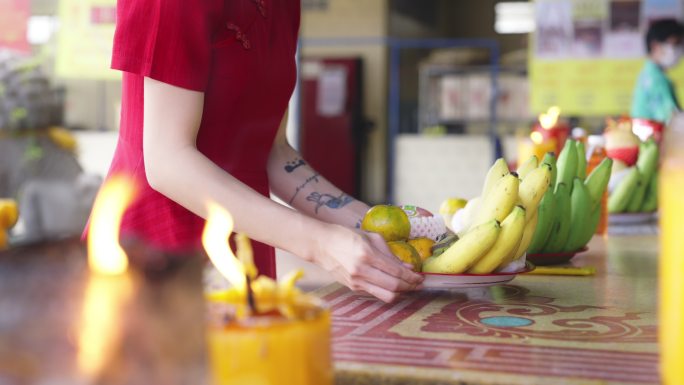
column 500, row 200
column 498, row 170
column 533, row 188
column 530, row 227
column 465, row 252
column 527, row 167
column 512, row 229
column 63, row 138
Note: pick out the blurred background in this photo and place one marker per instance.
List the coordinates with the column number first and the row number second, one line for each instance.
column 399, row 101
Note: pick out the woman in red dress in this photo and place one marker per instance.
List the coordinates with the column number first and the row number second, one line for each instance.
column 206, row 85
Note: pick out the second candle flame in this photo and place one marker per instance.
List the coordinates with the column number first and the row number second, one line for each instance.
column 215, row 237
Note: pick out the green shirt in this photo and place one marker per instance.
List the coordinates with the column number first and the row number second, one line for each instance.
column 654, row 96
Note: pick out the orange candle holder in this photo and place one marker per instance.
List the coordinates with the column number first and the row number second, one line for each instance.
column 557, row 134
column 271, row 348
column 535, row 145
column 260, row 331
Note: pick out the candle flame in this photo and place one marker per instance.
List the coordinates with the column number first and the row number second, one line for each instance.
column 549, row 119
column 537, row 137
column 109, row 289
column 105, row 255
column 268, row 294
column 100, row 326
column 215, row 236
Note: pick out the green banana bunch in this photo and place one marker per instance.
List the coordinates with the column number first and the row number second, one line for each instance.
column 567, row 164
column 637, row 196
column 500, row 200
column 581, row 160
column 561, row 222
column 580, row 215
column 533, row 188
column 651, row 200
column 530, row 227
column 550, row 158
column 598, row 180
column 509, row 238
column 648, row 160
column 465, row 252
column 527, row 167
column 496, row 172
column 647, row 165
column 590, row 229
column 545, row 215
column 619, row 199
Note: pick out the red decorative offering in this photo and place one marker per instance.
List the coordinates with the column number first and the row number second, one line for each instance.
column 628, row 155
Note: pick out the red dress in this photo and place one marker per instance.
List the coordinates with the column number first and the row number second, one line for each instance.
column 241, row 54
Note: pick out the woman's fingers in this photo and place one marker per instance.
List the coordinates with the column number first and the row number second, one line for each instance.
column 396, row 268
column 383, row 280
column 384, row 260
column 380, row 293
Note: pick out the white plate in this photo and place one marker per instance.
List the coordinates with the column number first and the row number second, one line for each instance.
column 630, row 218
column 460, row 281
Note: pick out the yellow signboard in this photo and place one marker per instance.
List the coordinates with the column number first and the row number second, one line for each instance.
column 84, row 43
column 584, row 87
column 586, row 55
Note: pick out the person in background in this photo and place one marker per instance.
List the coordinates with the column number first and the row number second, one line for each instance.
column 654, row 95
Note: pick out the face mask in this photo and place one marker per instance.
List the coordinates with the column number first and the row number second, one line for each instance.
column 670, row 56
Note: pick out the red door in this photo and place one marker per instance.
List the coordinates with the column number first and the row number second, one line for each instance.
column 331, row 136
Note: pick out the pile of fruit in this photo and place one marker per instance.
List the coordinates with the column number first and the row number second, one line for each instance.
column 544, row 207
column 635, row 189
column 497, row 231
column 569, row 213
column 410, row 231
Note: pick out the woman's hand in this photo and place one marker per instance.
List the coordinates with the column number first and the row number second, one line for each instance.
column 363, row 262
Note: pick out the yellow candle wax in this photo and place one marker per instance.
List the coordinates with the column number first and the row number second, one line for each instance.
column 540, row 149
column 671, row 269
column 265, row 332
column 272, row 349
column 525, row 149
column 671, row 261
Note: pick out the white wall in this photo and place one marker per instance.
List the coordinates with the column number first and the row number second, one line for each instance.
column 432, row 168
column 95, row 150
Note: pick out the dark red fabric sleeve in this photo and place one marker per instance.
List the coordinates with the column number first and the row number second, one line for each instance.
column 166, row 40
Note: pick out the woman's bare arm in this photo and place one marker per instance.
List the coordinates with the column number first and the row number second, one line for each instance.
column 175, row 168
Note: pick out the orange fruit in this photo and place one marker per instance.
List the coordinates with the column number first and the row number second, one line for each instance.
column 423, row 246
column 3, row 239
column 8, row 213
column 406, row 253
column 389, row 221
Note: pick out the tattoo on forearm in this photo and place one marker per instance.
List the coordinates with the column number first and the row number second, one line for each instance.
column 293, row 165
column 329, row 201
column 312, row 178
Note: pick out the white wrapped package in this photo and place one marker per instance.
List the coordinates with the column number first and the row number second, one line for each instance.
column 424, row 223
